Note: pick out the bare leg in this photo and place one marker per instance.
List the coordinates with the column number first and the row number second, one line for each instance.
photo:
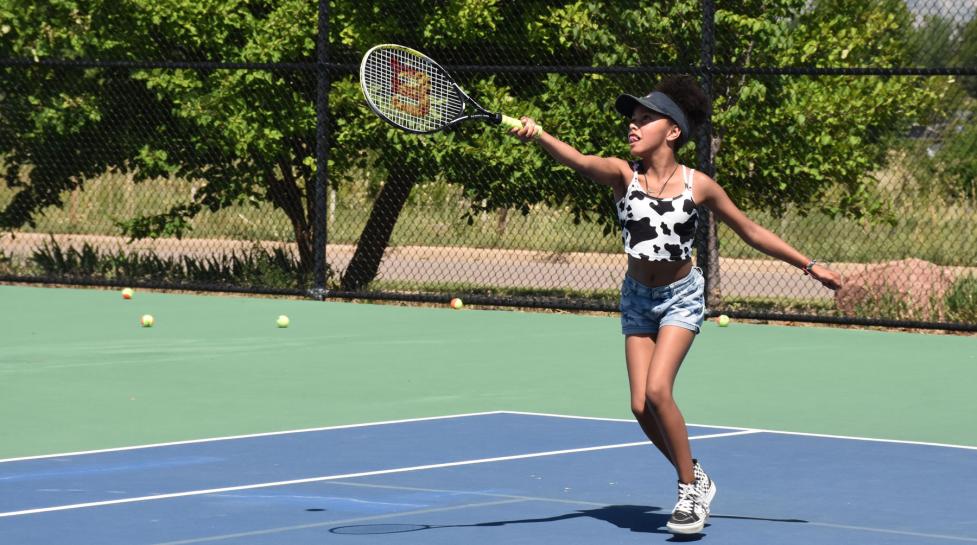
column 671, row 346
column 638, row 350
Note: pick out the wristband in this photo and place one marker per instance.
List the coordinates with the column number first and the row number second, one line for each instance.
column 809, row 266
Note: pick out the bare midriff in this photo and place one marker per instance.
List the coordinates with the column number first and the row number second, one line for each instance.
column 658, row 273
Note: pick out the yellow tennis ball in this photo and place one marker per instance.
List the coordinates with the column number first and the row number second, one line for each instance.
column 723, row 320
column 282, row 321
column 127, row 293
column 147, row 320
column 456, row 303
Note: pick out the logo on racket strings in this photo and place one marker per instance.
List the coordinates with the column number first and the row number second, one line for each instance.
column 411, row 89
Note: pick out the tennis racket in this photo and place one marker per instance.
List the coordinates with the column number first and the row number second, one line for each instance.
column 407, row 89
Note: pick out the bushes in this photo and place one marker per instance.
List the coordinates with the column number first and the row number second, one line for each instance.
column 256, row 267
column 958, row 303
column 961, row 301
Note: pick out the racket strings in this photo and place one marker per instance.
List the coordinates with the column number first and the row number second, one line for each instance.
column 410, row 90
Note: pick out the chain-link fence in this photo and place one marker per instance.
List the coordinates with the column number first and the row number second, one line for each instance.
column 227, row 147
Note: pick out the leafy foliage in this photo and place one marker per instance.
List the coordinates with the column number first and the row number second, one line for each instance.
column 967, row 54
column 257, row 267
column 952, row 162
column 249, row 135
column 961, row 300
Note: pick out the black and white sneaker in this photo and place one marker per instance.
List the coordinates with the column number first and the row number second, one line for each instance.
column 705, row 485
column 689, row 516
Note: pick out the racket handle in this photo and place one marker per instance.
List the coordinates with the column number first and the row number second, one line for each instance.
column 515, row 123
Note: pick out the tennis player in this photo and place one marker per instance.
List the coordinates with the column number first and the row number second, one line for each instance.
column 662, row 300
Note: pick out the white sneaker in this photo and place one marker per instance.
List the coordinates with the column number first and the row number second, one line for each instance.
column 689, row 515
column 705, row 485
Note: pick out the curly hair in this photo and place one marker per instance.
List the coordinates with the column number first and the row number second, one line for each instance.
column 685, row 91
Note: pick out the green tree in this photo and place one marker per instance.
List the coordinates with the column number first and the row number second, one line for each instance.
column 781, row 141
column 949, row 160
column 933, row 41
column 249, row 135
column 967, row 54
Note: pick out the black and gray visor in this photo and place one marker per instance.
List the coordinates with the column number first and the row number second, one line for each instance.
column 656, row 102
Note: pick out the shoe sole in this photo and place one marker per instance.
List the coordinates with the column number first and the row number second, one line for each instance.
column 686, row 529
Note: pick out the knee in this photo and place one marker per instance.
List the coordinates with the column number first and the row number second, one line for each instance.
column 639, row 408
column 659, row 397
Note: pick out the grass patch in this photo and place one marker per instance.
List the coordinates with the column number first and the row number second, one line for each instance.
column 435, row 214
column 596, row 296
column 961, row 300
column 942, row 238
column 778, row 305
column 922, row 226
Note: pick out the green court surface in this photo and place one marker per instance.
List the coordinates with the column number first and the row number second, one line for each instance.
column 77, row 372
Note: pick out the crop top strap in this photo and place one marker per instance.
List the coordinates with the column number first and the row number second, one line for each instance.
column 689, row 173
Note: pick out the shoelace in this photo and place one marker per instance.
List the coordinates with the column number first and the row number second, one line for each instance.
column 687, row 496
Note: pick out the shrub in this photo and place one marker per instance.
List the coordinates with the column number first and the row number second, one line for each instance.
column 257, row 267
column 961, row 300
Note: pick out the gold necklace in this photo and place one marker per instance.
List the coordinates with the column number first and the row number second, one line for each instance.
column 660, row 191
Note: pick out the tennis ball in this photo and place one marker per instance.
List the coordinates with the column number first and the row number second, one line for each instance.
column 127, row 293
column 723, row 320
column 147, row 320
column 282, row 321
column 456, row 303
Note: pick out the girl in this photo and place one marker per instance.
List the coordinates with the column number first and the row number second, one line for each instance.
column 662, row 303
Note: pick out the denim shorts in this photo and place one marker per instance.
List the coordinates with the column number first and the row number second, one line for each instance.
column 645, row 309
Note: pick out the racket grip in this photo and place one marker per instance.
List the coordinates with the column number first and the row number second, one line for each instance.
column 515, row 123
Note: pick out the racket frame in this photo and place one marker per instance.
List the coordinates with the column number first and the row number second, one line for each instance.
column 494, row 118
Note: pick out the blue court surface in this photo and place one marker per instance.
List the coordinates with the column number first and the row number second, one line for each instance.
column 493, row 478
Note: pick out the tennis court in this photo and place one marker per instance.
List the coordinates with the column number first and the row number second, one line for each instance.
column 386, row 424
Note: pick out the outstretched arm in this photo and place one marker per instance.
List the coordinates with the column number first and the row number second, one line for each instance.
column 603, row 170
column 713, row 196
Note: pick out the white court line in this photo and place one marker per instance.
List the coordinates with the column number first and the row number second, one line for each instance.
column 894, row 532
column 448, row 491
column 464, row 415
column 371, row 518
column 503, row 500
column 248, row 436
column 344, row 476
column 762, row 430
column 600, row 505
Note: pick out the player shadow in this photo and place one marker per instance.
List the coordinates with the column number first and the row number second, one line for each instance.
column 635, row 518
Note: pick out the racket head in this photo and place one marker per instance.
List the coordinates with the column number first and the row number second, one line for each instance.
column 409, row 90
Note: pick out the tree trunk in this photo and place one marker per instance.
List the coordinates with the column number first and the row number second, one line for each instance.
column 503, row 221
column 285, row 194
column 303, row 239
column 362, row 269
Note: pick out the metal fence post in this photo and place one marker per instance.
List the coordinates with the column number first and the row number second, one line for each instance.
column 322, row 151
column 707, row 249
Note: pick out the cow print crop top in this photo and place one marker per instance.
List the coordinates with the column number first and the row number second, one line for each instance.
column 658, row 229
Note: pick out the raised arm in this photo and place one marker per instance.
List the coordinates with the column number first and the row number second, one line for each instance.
column 711, row 194
column 604, row 170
